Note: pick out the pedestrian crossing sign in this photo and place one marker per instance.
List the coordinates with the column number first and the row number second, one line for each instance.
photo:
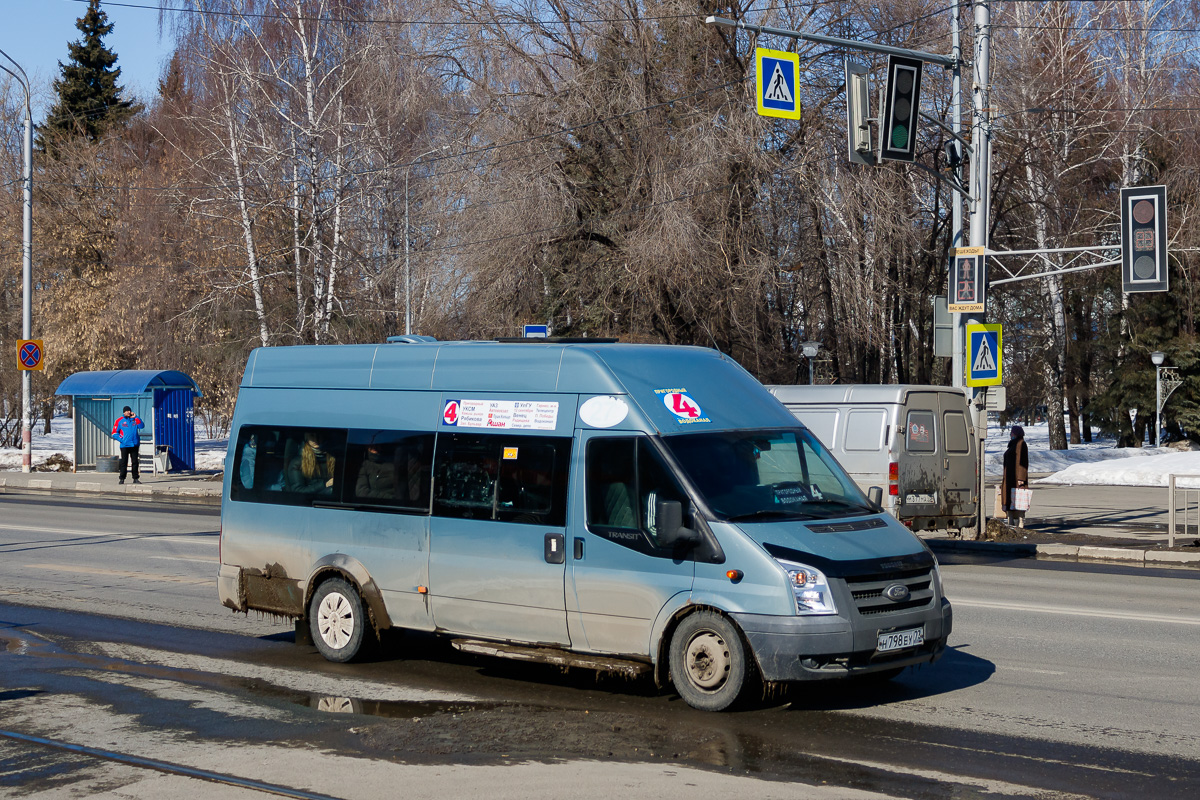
column 985, row 355
column 776, row 83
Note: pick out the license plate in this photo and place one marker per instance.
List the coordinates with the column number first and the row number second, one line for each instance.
column 900, row 640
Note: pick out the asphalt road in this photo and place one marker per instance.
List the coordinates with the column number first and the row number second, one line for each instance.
column 1064, row 680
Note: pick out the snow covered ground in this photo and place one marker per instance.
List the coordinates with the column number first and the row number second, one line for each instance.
column 210, row 453
column 1098, row 463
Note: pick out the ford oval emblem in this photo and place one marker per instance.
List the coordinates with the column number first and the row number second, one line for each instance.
column 897, row 592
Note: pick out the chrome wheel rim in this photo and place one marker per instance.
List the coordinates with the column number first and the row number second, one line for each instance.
column 335, row 620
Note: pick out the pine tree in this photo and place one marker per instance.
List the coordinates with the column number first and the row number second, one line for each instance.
column 89, row 99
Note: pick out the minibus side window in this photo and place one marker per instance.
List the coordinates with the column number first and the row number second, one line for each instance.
column 502, row 477
column 389, row 468
column 626, row 477
column 288, row 465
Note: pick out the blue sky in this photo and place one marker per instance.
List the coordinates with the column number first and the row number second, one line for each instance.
column 36, row 34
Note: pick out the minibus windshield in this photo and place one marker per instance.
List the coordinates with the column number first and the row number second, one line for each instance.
column 767, row 475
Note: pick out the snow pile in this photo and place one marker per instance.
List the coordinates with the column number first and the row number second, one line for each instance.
column 1042, row 459
column 1097, row 463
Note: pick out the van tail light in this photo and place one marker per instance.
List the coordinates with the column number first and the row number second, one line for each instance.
column 893, row 479
column 220, row 541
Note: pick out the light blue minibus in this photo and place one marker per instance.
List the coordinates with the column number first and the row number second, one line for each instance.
column 629, row 508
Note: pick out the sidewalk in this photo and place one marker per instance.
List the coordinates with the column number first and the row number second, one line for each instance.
column 193, row 487
column 1126, row 524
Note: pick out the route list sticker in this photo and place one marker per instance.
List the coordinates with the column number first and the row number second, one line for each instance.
column 685, row 409
column 527, row 415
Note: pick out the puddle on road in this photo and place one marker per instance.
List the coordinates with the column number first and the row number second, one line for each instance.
column 388, row 709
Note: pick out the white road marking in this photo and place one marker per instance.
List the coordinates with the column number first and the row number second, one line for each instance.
column 1104, row 613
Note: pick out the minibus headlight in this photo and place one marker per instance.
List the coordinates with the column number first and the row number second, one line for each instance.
column 810, row 588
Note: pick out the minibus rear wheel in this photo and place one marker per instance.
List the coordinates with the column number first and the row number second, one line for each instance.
column 338, row 620
column 708, row 661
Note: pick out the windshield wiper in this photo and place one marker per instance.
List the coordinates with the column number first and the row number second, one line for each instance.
column 768, row 513
column 843, row 504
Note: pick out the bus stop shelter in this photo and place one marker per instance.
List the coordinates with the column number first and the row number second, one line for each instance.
column 163, row 399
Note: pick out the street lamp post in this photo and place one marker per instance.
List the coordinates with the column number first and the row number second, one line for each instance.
column 26, row 261
column 810, row 350
column 407, row 267
column 1157, row 357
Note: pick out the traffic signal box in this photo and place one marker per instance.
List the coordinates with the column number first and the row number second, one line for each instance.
column 901, row 104
column 1144, row 239
column 968, row 280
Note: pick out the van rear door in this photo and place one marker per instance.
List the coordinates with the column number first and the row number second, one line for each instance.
column 961, row 477
column 921, row 466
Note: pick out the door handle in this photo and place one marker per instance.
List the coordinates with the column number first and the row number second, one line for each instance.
column 578, row 548
column 555, row 547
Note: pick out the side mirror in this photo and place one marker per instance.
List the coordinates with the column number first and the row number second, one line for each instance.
column 668, row 522
column 875, row 497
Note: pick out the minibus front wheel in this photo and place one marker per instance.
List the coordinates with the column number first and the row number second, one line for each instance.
column 708, row 661
column 338, row 619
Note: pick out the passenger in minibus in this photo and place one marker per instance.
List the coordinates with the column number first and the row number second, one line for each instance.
column 311, row 472
column 377, row 476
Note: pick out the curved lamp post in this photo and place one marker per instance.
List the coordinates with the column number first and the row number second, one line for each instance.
column 810, row 350
column 1157, row 358
column 26, row 261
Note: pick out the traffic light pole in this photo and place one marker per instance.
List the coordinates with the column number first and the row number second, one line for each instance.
column 929, row 58
column 958, row 336
column 981, row 130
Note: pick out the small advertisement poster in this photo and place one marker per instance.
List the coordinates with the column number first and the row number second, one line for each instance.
column 527, row 415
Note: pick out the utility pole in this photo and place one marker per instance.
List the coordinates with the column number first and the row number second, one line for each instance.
column 981, row 130
column 26, row 263
column 958, row 338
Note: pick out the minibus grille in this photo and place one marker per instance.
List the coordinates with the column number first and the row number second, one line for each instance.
column 870, row 600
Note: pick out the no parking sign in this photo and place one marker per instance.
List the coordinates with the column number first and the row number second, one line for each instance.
column 29, row 354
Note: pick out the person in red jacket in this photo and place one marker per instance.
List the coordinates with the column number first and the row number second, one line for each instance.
column 125, row 431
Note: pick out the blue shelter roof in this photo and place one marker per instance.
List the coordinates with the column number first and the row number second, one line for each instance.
column 125, row 382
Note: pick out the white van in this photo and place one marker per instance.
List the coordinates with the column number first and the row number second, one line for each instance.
column 918, row 441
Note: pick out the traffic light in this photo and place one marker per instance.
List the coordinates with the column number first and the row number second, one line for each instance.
column 858, row 114
column 901, row 104
column 968, row 280
column 1144, row 239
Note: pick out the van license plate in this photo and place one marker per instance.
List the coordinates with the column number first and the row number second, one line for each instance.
column 900, row 640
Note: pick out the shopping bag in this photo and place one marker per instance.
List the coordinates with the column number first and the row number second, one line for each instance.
column 1021, row 498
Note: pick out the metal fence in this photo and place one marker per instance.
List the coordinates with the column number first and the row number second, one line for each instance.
column 1190, row 496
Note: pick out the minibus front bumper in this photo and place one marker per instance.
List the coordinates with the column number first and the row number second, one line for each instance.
column 806, row 648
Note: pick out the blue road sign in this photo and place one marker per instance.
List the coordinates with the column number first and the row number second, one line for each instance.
column 537, row 331
column 776, row 83
column 985, row 355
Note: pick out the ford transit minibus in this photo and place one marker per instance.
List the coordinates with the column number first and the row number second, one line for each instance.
column 629, row 508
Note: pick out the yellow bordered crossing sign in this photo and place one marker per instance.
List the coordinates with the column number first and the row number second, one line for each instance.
column 985, row 355
column 776, row 83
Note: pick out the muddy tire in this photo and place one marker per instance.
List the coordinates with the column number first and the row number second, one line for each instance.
column 708, row 662
column 338, row 620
